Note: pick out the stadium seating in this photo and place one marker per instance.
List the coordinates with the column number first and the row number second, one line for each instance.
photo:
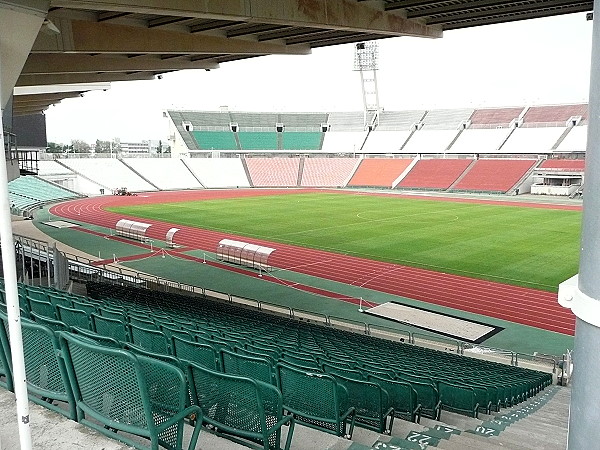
column 328, row 172
column 430, row 141
column 495, row 175
column 399, row 120
column 220, row 336
column 446, row 119
column 532, row 140
column 243, row 408
column 108, row 172
column 385, row 141
column 378, row 172
column 116, row 390
column 301, row 140
column 476, row 141
column 253, row 121
column 258, row 140
column 164, row 173
column 434, row 173
column 494, row 117
column 273, row 172
column 215, row 140
column 346, row 121
column 566, row 165
column 219, row 172
column 575, row 141
column 29, row 191
column 47, row 379
column 555, row 113
column 52, row 168
column 372, row 405
column 316, row 400
column 343, row 141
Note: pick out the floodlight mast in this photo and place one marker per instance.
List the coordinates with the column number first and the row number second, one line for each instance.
column 366, row 61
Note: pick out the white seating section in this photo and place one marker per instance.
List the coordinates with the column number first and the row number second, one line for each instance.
column 532, row 140
column 328, row 172
column 430, row 141
column 52, row 168
column 575, row 141
column 343, row 141
column 399, row 120
column 110, row 173
column 385, row 141
column 165, row 173
column 219, row 172
column 346, row 121
column 480, row 140
column 446, row 119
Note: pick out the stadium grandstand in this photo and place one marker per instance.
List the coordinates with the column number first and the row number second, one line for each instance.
column 292, row 280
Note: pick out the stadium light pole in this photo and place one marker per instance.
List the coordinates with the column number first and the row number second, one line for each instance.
column 582, row 293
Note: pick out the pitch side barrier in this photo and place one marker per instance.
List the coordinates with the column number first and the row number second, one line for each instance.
column 82, row 269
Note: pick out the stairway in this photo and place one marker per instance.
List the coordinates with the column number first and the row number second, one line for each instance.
column 540, row 422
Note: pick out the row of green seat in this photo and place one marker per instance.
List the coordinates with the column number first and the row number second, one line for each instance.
column 508, row 384
column 120, row 392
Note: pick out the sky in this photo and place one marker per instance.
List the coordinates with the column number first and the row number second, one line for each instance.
column 533, row 62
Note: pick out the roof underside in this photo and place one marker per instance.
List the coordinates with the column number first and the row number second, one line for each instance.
column 112, row 40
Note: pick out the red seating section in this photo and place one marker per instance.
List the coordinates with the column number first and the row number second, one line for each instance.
column 273, row 172
column 496, row 175
column 435, row 173
column 495, row 116
column 559, row 113
column 567, row 165
column 379, row 172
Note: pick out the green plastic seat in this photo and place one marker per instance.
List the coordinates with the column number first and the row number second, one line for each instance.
column 315, row 399
column 343, row 371
column 89, row 308
column 196, row 352
column 151, row 339
column 42, row 307
column 241, row 409
column 457, row 398
column 304, row 362
column 372, row 404
column 47, row 379
column 403, row 398
column 6, row 380
column 73, row 317
column 59, row 299
column 53, row 324
column 246, row 366
column 98, row 338
column 109, row 327
column 117, row 391
column 428, row 396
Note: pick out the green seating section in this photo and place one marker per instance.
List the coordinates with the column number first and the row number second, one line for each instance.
column 258, row 140
column 215, row 140
column 125, row 392
column 29, row 191
column 243, row 407
column 46, row 374
column 328, row 379
column 317, row 400
column 302, row 140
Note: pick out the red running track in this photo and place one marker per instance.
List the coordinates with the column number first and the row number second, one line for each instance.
column 526, row 306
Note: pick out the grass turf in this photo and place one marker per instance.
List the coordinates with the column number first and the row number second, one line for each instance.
column 517, row 245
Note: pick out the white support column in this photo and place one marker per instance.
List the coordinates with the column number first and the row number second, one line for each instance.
column 20, row 22
column 12, row 303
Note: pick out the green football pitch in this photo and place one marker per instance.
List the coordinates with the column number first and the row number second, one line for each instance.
column 532, row 247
